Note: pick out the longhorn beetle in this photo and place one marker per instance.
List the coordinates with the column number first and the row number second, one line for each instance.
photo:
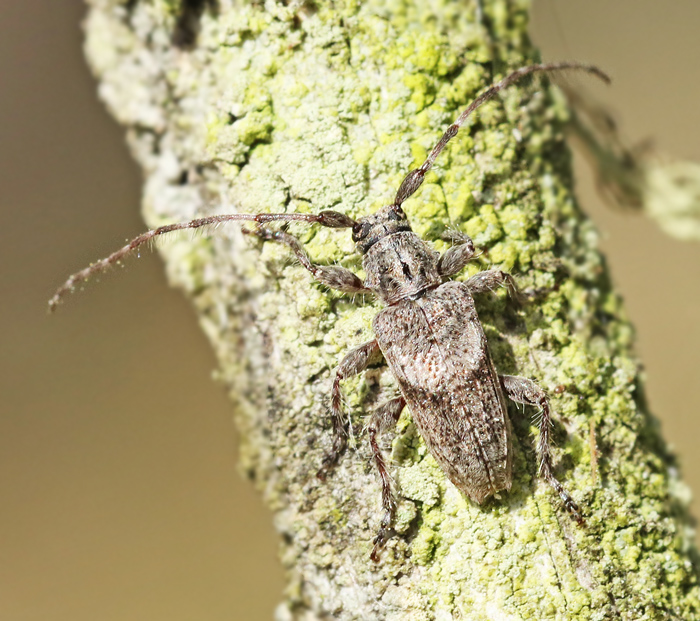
column 429, row 333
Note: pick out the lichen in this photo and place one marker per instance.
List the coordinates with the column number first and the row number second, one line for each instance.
column 327, row 104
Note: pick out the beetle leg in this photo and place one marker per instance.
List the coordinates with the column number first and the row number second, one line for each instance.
column 454, row 259
column 523, row 390
column 383, row 419
column 332, row 276
column 354, row 363
column 489, row 280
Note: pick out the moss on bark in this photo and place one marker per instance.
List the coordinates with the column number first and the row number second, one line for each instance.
column 327, row 104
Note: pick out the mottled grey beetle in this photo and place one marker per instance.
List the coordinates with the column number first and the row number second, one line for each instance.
column 429, row 334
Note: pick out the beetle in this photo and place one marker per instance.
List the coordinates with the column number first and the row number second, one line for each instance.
column 429, row 334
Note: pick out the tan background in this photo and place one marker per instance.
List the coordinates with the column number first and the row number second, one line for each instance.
column 119, row 490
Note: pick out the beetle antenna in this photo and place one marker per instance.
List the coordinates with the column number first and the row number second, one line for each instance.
column 331, row 219
column 414, row 179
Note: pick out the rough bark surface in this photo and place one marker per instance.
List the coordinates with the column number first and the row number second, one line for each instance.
column 304, row 106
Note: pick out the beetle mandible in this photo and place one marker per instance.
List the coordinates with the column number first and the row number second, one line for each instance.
column 429, row 334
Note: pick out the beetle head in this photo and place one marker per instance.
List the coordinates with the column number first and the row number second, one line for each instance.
column 369, row 230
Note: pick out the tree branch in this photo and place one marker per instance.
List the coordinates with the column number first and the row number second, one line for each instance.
column 328, row 104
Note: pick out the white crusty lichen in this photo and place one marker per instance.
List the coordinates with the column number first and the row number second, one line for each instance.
column 304, row 106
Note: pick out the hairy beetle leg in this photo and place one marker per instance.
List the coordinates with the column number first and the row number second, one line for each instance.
column 383, row 419
column 525, row 391
column 353, row 364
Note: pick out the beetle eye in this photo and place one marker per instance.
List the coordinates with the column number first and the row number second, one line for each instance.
column 396, row 213
column 360, row 230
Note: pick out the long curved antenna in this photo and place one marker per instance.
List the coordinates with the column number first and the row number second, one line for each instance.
column 414, row 179
column 331, row 219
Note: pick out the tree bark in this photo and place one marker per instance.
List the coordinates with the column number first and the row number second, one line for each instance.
column 304, row 106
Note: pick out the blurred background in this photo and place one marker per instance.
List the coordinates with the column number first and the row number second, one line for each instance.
column 118, row 481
